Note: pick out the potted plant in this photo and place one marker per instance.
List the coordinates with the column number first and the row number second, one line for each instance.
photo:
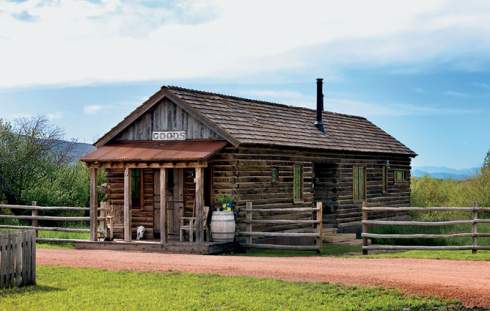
column 223, row 220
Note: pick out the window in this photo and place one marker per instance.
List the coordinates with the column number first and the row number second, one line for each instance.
column 298, row 183
column 385, row 178
column 136, row 181
column 400, row 176
column 359, row 183
column 275, row 175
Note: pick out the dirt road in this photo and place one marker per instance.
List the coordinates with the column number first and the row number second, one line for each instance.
column 467, row 281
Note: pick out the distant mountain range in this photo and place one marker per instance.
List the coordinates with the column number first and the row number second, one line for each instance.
column 78, row 150
column 444, row 172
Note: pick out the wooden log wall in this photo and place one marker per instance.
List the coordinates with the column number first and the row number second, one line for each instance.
column 189, row 192
column 140, row 216
column 247, row 171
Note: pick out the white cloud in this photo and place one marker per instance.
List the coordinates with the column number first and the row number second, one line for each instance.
column 115, row 40
column 92, row 109
column 455, row 93
column 54, row 115
column 355, row 107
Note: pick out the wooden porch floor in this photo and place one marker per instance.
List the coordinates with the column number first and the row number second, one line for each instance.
column 206, row 248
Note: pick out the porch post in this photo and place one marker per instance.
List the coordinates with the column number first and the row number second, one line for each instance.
column 93, row 204
column 127, row 205
column 163, row 206
column 200, row 204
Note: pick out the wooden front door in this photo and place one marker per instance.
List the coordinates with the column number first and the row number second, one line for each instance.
column 175, row 200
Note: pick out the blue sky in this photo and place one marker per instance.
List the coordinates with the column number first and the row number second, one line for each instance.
column 419, row 70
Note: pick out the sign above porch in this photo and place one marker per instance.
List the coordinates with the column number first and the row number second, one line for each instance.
column 169, row 135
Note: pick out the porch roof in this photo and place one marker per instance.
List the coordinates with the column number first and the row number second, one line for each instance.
column 140, row 151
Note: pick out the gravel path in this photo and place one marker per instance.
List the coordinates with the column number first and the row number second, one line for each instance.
column 467, row 281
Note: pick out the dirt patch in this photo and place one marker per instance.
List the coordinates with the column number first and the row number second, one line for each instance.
column 466, row 281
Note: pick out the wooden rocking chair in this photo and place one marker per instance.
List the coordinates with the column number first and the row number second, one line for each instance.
column 189, row 224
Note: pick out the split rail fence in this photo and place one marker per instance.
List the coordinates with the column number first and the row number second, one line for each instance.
column 251, row 234
column 35, row 218
column 476, row 213
column 17, row 258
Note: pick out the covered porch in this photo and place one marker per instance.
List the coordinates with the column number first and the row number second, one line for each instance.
column 154, row 185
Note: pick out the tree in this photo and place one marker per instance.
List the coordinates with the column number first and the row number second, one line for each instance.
column 30, row 149
column 486, row 161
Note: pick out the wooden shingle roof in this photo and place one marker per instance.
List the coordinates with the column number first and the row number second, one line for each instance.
column 259, row 122
column 246, row 121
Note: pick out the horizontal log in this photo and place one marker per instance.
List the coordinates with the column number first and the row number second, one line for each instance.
column 292, row 209
column 44, row 208
column 46, row 228
column 419, row 223
column 419, row 247
column 57, row 218
column 426, row 209
column 56, row 240
column 417, row 236
column 280, row 221
column 281, row 234
column 285, row 247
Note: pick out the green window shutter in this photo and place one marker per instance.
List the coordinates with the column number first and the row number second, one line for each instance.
column 297, row 184
column 355, row 184
column 358, row 183
column 362, row 186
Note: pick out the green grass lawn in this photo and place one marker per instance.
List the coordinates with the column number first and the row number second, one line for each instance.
column 61, row 235
column 424, row 254
column 91, row 289
column 328, row 249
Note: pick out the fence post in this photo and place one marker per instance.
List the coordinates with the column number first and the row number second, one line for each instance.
column 474, row 229
column 249, row 212
column 365, row 217
column 34, row 213
column 319, row 218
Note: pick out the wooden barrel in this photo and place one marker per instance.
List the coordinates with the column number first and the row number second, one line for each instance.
column 223, row 226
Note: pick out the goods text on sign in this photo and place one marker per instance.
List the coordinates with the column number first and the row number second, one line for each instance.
column 174, row 135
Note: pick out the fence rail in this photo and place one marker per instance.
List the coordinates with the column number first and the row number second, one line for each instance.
column 35, row 218
column 474, row 234
column 17, row 258
column 315, row 222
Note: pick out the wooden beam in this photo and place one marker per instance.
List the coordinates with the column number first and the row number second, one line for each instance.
column 163, row 206
column 199, row 205
column 156, row 165
column 127, row 205
column 93, row 204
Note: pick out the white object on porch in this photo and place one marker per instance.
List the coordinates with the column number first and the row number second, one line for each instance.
column 140, row 232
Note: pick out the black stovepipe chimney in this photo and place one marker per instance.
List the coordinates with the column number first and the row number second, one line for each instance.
column 319, row 105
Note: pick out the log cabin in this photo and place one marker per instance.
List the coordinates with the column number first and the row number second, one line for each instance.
column 182, row 148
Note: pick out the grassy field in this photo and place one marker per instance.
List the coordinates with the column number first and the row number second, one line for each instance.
column 91, row 289
column 423, row 254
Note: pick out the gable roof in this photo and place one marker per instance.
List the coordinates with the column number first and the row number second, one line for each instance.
column 246, row 121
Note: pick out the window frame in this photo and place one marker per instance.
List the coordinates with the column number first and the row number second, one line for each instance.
column 298, row 192
column 356, row 181
column 403, row 175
